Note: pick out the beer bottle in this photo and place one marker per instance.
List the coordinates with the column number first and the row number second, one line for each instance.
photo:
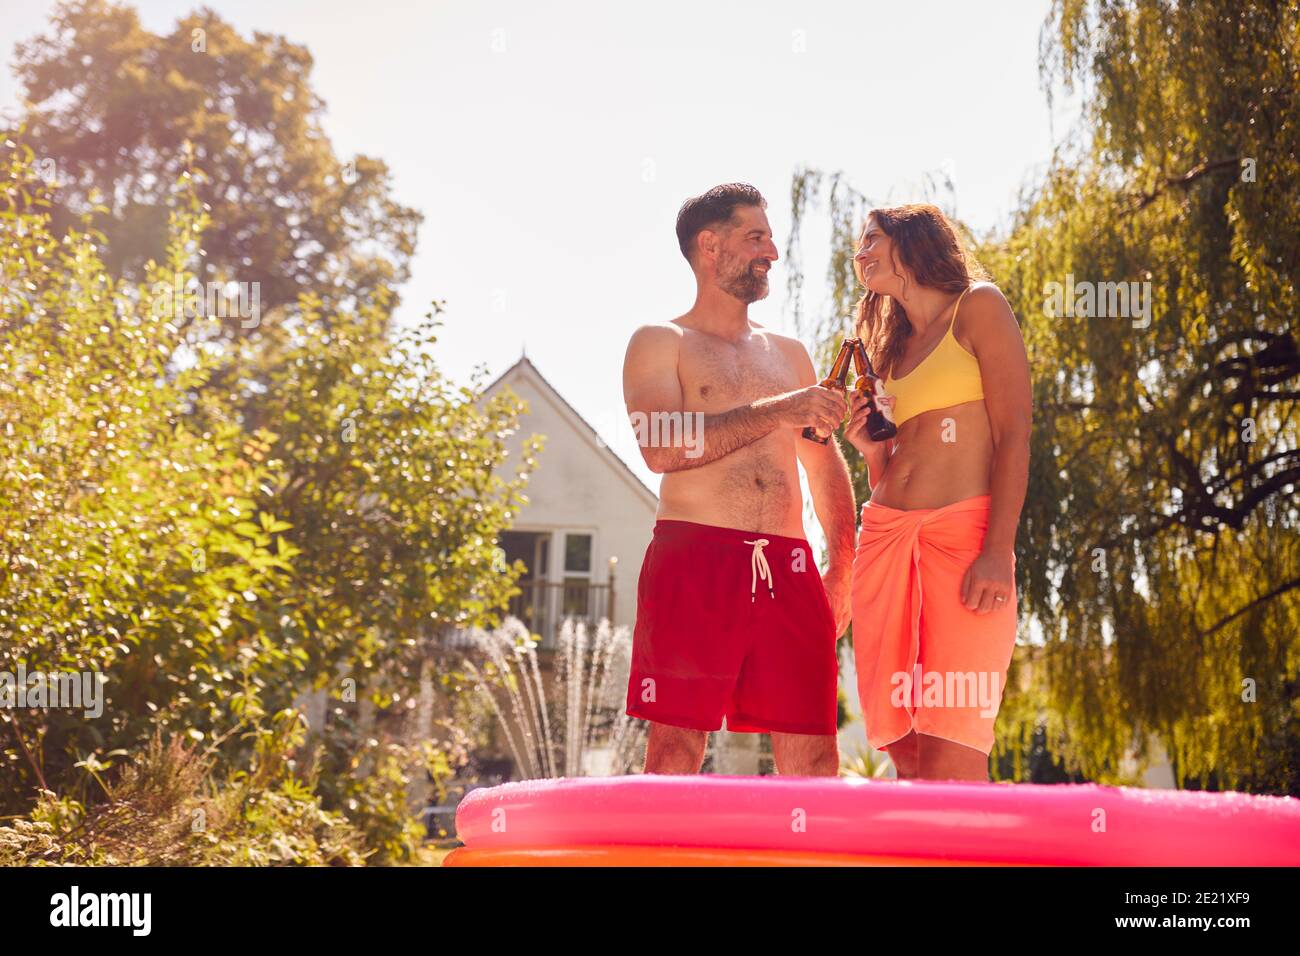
column 838, row 378
column 879, row 426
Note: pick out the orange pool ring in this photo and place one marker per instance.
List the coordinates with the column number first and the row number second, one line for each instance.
column 676, row 856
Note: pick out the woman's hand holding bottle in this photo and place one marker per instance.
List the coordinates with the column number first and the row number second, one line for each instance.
column 856, row 430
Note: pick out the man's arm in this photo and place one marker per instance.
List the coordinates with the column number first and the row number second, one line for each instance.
column 652, row 390
column 832, row 494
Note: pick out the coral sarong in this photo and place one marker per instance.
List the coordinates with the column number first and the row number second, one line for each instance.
column 925, row 662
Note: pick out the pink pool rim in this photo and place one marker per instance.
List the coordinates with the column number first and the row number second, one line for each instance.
column 807, row 819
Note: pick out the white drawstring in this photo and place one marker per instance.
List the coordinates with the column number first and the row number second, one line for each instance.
column 758, row 568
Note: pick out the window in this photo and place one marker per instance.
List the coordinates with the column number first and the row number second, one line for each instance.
column 577, row 553
column 530, row 605
column 577, row 575
column 577, row 597
column 520, row 546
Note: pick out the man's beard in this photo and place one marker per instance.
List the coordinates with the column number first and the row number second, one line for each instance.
column 738, row 279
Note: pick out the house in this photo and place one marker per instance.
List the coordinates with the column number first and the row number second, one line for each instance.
column 587, row 522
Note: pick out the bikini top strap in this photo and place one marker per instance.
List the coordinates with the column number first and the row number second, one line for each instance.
column 952, row 323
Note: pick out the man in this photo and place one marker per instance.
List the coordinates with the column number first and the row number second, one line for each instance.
column 733, row 619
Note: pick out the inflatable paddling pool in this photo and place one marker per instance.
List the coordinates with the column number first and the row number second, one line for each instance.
column 653, row 820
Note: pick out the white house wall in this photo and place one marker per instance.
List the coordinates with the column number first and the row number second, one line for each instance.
column 579, row 486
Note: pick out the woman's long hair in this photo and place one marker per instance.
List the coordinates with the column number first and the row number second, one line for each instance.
column 925, row 242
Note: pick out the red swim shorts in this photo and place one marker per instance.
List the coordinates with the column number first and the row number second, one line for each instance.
column 732, row 624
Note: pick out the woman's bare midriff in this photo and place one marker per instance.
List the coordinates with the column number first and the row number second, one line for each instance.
column 939, row 457
column 755, row 488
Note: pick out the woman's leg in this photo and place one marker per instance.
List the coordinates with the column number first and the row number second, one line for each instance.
column 885, row 608
column 963, row 656
column 904, row 754
column 947, row 760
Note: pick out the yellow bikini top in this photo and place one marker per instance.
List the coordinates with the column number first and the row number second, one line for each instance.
column 949, row 375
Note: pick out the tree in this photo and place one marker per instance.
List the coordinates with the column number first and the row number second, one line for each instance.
column 118, row 113
column 133, row 546
column 215, row 551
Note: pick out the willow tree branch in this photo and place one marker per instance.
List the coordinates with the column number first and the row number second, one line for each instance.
column 1184, row 181
column 1280, row 589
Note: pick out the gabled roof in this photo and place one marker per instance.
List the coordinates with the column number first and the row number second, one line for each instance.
column 583, row 426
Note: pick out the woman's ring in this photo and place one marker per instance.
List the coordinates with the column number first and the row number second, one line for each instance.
column 1000, row 597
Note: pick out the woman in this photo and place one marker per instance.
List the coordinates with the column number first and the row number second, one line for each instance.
column 934, row 600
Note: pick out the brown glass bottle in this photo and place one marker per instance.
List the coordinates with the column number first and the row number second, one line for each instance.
column 879, row 428
column 838, row 378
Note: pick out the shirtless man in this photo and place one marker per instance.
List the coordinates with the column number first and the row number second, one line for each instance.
column 733, row 618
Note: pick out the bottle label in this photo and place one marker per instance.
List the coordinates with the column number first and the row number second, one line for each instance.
column 884, row 408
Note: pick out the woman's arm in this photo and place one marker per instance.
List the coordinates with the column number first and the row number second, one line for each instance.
column 990, row 326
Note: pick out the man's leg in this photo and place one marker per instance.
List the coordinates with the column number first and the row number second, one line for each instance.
column 674, row 749
column 947, row 760
column 806, row 755
column 906, row 757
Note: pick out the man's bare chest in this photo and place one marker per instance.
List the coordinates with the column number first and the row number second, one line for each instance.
column 717, row 375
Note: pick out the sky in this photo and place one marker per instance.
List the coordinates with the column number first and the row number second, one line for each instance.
column 550, row 145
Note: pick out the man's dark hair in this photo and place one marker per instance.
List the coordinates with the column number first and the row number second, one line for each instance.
column 712, row 209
